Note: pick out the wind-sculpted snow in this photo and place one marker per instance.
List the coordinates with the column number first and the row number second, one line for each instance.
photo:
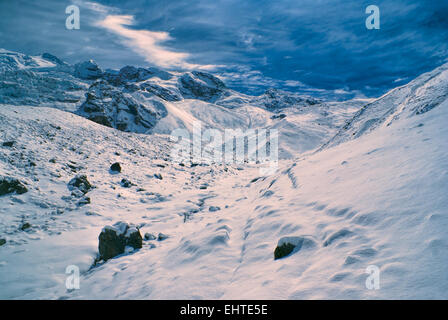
column 419, row 96
column 377, row 200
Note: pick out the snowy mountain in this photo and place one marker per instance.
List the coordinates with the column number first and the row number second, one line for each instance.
column 359, row 183
column 418, row 97
column 149, row 100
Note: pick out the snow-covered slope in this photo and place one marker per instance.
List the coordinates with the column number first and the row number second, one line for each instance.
column 149, row 100
column 418, row 97
column 376, row 198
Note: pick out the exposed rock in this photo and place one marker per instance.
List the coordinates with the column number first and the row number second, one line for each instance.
column 49, row 57
column 2, row 242
column 24, row 226
column 162, row 237
column 278, row 116
column 150, row 236
column 214, row 209
column 88, row 70
column 288, row 245
column 11, row 185
column 114, row 108
column 125, row 183
column 201, row 85
column 158, row 176
column 8, row 143
column 79, row 183
column 161, row 92
column 115, row 167
column 274, row 99
column 113, row 240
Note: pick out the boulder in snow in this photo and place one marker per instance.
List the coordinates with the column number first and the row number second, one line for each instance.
column 115, row 167
column 289, row 245
column 11, row 185
column 79, row 183
column 113, row 240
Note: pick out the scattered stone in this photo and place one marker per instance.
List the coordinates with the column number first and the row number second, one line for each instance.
column 162, row 237
column 158, row 176
column 150, row 236
column 125, row 183
column 79, row 183
column 8, row 143
column 11, row 185
column 116, row 167
column 25, row 226
column 113, row 240
column 289, row 245
column 278, row 116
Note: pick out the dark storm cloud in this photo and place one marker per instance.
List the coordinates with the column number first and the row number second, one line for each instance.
column 283, row 43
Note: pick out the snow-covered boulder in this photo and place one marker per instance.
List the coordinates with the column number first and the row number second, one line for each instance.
column 113, row 240
column 201, row 85
column 79, row 183
column 11, row 185
column 88, row 70
column 289, row 245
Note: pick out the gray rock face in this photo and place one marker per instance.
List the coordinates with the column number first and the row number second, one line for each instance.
column 113, row 240
column 11, row 185
column 161, row 92
column 132, row 74
column 88, row 70
column 201, row 85
column 114, row 108
column 274, row 99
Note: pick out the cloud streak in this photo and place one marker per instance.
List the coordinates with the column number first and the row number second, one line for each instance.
column 149, row 44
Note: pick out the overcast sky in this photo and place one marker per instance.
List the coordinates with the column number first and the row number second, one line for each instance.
column 294, row 45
